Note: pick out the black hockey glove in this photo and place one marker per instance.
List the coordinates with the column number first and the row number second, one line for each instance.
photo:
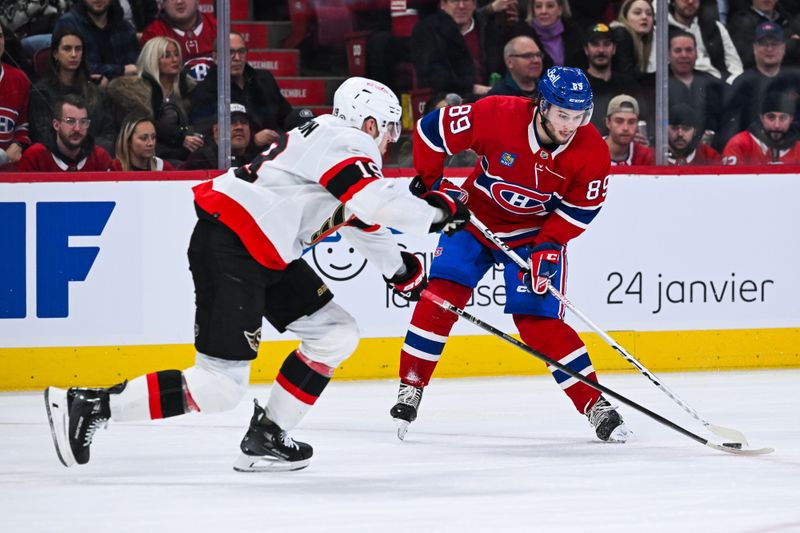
column 412, row 282
column 456, row 213
column 417, row 186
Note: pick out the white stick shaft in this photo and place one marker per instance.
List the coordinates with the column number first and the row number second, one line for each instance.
column 728, row 433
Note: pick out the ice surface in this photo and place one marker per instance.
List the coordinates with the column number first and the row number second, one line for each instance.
column 495, row 454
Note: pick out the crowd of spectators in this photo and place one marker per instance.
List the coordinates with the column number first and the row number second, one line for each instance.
column 125, row 85
column 151, row 64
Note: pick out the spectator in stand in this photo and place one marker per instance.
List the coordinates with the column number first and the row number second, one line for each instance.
column 524, row 68
column 242, row 148
column 606, row 83
column 549, row 23
column 742, row 107
column 716, row 53
column 32, row 21
column 685, row 146
column 14, row 95
column 195, row 32
column 109, row 39
column 72, row 149
column 633, row 37
column 136, row 147
column 771, row 140
column 586, row 13
column 159, row 67
column 699, row 90
column 140, row 13
column 255, row 89
column 68, row 73
column 449, row 49
column 742, row 25
column 627, row 146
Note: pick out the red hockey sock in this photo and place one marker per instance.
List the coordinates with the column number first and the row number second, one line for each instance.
column 427, row 334
column 166, row 394
column 557, row 340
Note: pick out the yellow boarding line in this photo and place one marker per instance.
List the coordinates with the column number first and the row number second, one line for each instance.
column 36, row 368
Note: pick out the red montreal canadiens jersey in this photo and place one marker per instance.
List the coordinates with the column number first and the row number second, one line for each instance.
column 745, row 149
column 38, row 158
column 638, row 154
column 702, row 155
column 14, row 94
column 196, row 44
column 521, row 191
column 321, row 177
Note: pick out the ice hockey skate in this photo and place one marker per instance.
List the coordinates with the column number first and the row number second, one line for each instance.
column 74, row 415
column 607, row 422
column 268, row 448
column 405, row 410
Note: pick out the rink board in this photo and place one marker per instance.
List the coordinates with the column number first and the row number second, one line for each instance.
column 686, row 271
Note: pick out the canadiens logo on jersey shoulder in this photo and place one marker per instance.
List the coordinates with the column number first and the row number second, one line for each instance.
column 508, row 159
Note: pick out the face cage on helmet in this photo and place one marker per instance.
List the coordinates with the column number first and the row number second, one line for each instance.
column 391, row 131
column 544, row 107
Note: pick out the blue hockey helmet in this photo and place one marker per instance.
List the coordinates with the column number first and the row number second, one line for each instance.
column 567, row 88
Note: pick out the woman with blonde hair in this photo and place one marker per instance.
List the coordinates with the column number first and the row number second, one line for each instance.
column 634, row 34
column 159, row 66
column 136, row 146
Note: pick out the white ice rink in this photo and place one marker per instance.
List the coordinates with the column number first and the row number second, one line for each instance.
column 501, row 454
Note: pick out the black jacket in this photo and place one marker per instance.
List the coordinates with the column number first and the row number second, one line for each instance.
column 441, row 57
column 261, row 96
column 171, row 119
column 706, row 95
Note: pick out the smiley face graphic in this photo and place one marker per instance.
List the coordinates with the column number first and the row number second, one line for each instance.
column 336, row 259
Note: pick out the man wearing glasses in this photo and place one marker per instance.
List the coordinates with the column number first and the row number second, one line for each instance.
column 524, row 68
column 73, row 149
column 255, row 89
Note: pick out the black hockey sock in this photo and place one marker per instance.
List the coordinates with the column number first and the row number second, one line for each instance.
column 166, row 395
column 300, row 380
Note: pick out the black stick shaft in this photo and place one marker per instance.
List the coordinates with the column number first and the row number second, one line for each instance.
column 444, row 304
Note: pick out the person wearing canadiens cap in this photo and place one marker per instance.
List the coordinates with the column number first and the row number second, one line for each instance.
column 685, row 146
column 242, row 147
column 744, row 23
column 624, row 142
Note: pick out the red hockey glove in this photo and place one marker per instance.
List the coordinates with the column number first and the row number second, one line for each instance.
column 543, row 265
column 451, row 189
column 412, row 282
column 456, row 213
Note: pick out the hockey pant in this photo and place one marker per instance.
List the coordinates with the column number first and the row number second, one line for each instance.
column 328, row 337
column 431, row 325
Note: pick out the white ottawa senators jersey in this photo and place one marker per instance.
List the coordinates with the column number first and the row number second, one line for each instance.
column 519, row 189
column 320, row 177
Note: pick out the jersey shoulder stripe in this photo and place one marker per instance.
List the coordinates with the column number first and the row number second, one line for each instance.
column 346, row 178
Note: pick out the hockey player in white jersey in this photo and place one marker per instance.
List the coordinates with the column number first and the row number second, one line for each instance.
column 254, row 223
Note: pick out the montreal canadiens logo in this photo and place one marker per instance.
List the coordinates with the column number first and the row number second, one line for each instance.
column 517, row 199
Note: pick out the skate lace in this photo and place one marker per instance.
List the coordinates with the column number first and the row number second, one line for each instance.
column 599, row 412
column 287, row 441
column 94, row 425
column 409, row 395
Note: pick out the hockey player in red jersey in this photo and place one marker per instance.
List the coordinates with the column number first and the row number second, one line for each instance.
column 540, row 180
column 245, row 255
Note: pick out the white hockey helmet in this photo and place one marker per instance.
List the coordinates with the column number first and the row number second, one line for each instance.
column 360, row 98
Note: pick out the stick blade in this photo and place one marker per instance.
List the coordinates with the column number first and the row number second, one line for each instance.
column 729, row 447
column 728, row 434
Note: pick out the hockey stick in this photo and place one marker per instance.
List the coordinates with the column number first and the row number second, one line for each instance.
column 730, row 447
column 726, row 433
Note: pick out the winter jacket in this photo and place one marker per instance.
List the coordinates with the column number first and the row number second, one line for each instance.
column 261, row 95
column 124, row 48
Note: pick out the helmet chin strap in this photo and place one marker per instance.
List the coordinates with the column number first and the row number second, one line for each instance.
column 546, row 125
